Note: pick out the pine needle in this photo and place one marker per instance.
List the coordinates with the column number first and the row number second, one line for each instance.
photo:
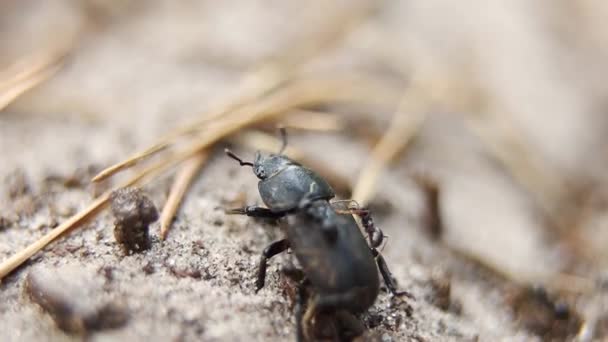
column 26, row 67
column 25, row 80
column 182, row 181
column 129, row 162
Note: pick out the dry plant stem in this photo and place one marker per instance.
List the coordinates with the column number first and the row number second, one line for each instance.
column 15, row 90
column 260, row 81
column 79, row 218
column 27, row 67
column 301, row 93
column 312, row 121
column 253, row 85
column 404, row 126
column 129, row 162
column 257, row 140
column 183, row 179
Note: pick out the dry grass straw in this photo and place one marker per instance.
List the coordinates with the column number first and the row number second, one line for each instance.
column 403, row 128
column 183, row 179
column 27, row 73
column 298, row 93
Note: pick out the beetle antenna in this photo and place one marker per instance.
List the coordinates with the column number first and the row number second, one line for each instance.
column 235, row 157
column 283, row 133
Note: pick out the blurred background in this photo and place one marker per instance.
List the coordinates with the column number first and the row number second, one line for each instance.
column 482, row 149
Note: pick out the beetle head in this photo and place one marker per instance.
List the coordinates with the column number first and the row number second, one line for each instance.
column 264, row 167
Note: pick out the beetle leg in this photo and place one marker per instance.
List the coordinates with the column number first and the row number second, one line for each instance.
column 374, row 234
column 387, row 276
column 299, row 308
column 306, row 320
column 270, row 251
column 255, row 211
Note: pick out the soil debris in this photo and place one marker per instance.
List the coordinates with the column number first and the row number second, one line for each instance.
column 78, row 179
column 432, row 216
column 18, row 184
column 441, row 295
column 5, row 222
column 133, row 213
column 539, row 313
column 72, row 299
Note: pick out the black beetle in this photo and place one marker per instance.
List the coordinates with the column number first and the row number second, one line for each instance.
column 338, row 264
column 284, row 183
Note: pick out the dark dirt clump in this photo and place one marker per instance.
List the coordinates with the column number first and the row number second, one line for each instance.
column 5, row 222
column 133, row 213
column 441, row 295
column 73, row 300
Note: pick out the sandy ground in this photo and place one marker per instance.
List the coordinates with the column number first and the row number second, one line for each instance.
column 139, row 69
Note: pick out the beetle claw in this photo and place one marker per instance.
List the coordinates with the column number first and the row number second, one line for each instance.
column 403, row 293
column 235, row 211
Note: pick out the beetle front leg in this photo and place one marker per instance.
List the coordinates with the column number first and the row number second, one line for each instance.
column 255, row 211
column 299, row 309
column 270, row 251
column 387, row 276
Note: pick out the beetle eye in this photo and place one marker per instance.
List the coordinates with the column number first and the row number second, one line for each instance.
column 260, row 172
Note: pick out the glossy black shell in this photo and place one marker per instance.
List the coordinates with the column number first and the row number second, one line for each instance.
column 334, row 266
column 284, row 190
